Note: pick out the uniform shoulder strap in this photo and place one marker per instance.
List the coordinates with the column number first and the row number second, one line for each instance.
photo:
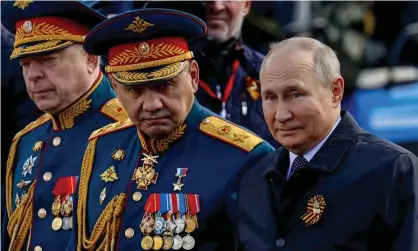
column 40, row 121
column 114, row 110
column 114, row 127
column 230, row 133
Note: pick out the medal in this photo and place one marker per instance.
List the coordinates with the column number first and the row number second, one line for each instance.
column 193, row 205
column 147, row 225
column 147, row 242
column 38, row 146
column 57, row 224
column 177, row 242
column 180, row 225
column 190, row 225
column 168, row 242
column 159, row 224
column 66, row 223
column 118, row 154
column 179, row 200
column 23, row 183
column 67, row 206
column 102, row 196
column 181, row 172
column 64, row 188
column 146, row 175
column 158, row 242
column 27, row 166
column 188, row 242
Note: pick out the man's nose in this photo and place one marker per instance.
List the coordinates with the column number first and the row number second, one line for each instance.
column 283, row 114
column 152, row 101
column 216, row 6
column 34, row 71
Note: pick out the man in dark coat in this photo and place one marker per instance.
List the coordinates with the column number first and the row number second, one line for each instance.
column 332, row 186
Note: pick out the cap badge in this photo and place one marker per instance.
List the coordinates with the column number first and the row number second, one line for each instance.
column 139, row 25
column 27, row 26
column 22, row 4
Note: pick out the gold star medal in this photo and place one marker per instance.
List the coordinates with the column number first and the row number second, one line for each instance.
column 315, row 209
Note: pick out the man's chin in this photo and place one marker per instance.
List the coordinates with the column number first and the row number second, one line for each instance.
column 157, row 131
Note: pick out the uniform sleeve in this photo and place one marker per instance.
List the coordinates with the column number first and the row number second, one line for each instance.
column 404, row 201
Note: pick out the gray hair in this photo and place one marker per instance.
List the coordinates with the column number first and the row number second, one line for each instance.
column 326, row 64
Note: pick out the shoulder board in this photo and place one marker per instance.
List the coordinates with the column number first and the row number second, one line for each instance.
column 40, row 121
column 114, row 110
column 114, row 127
column 229, row 133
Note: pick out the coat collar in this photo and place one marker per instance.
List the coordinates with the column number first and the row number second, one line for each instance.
column 328, row 157
column 88, row 103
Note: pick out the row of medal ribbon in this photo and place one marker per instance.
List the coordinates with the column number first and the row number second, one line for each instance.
column 167, row 217
column 62, row 207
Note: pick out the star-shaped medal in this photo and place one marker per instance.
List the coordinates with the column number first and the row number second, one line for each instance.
column 27, row 166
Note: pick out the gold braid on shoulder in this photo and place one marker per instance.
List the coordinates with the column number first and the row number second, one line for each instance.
column 107, row 225
column 21, row 220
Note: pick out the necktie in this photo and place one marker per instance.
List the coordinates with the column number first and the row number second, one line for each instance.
column 299, row 162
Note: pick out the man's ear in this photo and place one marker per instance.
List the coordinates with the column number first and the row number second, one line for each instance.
column 337, row 89
column 114, row 83
column 194, row 74
column 247, row 7
column 92, row 63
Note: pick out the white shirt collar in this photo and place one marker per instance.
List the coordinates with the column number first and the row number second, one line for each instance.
column 311, row 153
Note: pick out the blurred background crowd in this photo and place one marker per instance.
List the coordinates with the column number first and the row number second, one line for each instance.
column 376, row 42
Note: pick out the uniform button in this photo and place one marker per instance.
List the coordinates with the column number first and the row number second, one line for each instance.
column 42, row 213
column 280, row 242
column 56, row 141
column 206, row 121
column 47, row 176
column 137, row 196
column 129, row 233
column 37, row 248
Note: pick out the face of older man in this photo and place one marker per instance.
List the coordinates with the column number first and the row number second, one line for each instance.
column 298, row 109
column 158, row 109
column 56, row 80
column 224, row 18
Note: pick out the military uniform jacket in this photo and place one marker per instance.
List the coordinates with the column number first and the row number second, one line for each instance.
column 200, row 158
column 359, row 192
column 43, row 169
column 243, row 104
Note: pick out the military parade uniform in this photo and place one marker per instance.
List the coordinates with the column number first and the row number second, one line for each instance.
column 44, row 161
column 141, row 193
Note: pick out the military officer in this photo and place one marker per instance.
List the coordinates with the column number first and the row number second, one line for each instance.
column 164, row 178
column 65, row 82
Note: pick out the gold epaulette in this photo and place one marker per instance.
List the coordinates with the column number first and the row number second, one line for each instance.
column 111, row 128
column 114, row 110
column 41, row 120
column 229, row 133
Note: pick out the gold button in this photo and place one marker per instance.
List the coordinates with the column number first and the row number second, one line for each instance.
column 137, row 196
column 38, row 248
column 47, row 176
column 129, row 233
column 42, row 213
column 56, row 141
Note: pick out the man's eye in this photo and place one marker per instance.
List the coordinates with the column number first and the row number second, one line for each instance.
column 295, row 95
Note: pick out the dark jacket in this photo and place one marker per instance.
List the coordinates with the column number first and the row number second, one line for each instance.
column 216, row 67
column 370, row 188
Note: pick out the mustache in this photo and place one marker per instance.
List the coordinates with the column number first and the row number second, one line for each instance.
column 160, row 114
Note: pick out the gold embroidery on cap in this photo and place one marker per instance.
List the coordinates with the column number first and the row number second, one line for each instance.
column 139, row 25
